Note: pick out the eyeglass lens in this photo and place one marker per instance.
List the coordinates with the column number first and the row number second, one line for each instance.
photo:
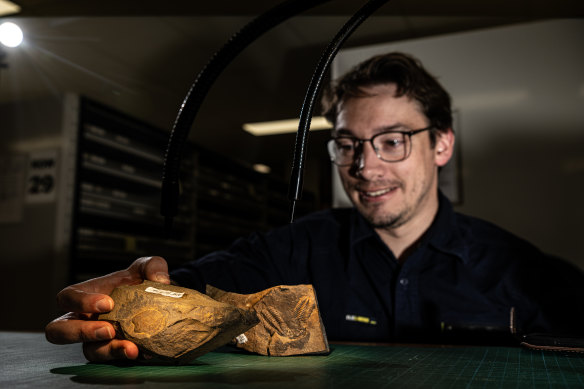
column 389, row 146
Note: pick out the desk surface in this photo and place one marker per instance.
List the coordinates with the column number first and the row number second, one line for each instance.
column 28, row 360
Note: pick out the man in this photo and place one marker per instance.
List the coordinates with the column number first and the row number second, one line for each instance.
column 399, row 266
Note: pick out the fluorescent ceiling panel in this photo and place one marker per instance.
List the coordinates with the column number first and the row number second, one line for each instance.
column 8, row 8
column 284, row 126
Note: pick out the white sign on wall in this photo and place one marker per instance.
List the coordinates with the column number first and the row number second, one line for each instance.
column 41, row 176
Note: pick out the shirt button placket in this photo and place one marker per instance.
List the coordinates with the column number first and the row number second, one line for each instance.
column 406, row 315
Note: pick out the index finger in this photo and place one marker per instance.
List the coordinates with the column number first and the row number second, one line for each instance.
column 92, row 296
column 75, row 299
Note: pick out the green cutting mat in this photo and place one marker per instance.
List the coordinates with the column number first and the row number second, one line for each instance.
column 27, row 360
column 357, row 367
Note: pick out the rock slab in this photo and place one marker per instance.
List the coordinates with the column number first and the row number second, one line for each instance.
column 171, row 324
column 289, row 320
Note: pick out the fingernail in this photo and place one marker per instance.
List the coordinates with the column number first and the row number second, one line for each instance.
column 104, row 305
column 162, row 277
column 103, row 333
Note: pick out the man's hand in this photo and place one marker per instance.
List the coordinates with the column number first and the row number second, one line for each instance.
column 88, row 299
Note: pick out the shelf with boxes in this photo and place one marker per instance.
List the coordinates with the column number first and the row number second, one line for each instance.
column 116, row 214
column 231, row 201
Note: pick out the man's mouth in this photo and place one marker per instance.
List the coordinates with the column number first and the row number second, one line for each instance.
column 376, row 193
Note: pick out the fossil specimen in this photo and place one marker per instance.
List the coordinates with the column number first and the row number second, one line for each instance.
column 290, row 322
column 174, row 324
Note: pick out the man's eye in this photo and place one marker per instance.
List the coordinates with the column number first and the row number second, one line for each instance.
column 345, row 145
column 392, row 142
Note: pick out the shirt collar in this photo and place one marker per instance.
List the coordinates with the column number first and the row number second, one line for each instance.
column 443, row 235
column 361, row 229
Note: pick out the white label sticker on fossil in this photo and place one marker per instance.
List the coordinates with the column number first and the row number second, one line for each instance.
column 163, row 292
column 241, row 339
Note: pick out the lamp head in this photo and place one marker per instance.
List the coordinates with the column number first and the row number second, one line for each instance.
column 11, row 34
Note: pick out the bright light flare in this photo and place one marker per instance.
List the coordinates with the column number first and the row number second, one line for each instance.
column 10, row 34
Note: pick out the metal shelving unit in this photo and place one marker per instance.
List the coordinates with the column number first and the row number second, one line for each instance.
column 116, row 214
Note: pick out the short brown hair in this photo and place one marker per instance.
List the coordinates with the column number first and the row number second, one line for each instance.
column 410, row 78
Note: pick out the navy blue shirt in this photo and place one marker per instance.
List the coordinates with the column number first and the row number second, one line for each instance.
column 461, row 282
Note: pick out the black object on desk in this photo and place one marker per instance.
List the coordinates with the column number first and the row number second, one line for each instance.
column 28, row 360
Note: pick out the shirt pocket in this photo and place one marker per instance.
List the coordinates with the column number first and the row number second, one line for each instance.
column 360, row 322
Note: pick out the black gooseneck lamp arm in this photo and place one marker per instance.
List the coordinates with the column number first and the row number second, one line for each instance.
column 296, row 179
column 192, row 102
column 199, row 89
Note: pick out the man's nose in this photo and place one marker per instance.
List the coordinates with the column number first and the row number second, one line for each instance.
column 368, row 164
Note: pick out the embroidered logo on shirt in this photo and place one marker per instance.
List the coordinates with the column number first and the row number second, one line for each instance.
column 361, row 319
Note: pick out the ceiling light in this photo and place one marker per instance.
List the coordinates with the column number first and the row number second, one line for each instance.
column 10, row 34
column 284, row 126
column 8, row 8
column 261, row 168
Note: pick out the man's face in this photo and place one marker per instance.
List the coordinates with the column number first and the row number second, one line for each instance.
column 391, row 194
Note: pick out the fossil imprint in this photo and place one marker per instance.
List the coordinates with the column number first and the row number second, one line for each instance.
column 290, row 322
column 171, row 324
column 174, row 324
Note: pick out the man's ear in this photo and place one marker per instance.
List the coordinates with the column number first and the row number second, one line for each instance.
column 444, row 147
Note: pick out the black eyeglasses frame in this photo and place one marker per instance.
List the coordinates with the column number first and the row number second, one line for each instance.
column 358, row 144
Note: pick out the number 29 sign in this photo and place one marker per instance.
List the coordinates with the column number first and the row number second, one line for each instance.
column 42, row 176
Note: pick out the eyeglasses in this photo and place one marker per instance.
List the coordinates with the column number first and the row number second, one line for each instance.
column 389, row 146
